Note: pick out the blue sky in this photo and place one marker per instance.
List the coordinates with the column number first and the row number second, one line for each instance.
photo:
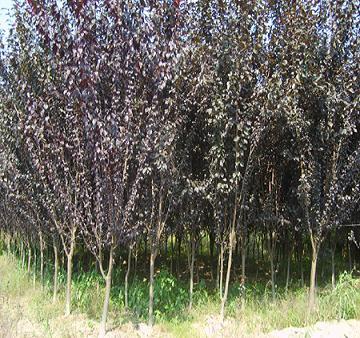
column 5, row 5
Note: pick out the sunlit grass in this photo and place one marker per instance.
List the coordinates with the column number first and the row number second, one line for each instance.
column 259, row 314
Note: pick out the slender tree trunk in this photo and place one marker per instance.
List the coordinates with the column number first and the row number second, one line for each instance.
column 301, row 268
column 349, row 256
column 135, row 259
column 288, row 271
column 271, row 256
column 192, row 260
column 145, row 247
column 211, row 248
column 218, row 270
column 69, row 255
column 68, row 284
column 271, row 248
column 34, row 268
column 221, row 275
column 243, row 275
column 22, row 256
column 127, row 277
column 243, row 263
column 41, row 262
column 333, row 268
column 102, row 329
column 151, row 287
column 312, row 291
column 56, row 267
column 224, row 298
column 172, row 253
column 29, row 260
column 8, row 245
column 178, row 255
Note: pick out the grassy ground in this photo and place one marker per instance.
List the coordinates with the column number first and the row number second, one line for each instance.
column 26, row 310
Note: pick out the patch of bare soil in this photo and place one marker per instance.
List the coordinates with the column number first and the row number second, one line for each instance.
column 332, row 329
column 16, row 321
column 213, row 328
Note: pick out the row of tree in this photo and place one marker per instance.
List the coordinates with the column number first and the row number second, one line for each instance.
column 125, row 120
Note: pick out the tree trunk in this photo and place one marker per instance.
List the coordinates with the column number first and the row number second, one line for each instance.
column 151, row 286
column 102, row 329
column 135, row 260
column 192, row 260
column 127, row 277
column 8, row 245
column 69, row 279
column 271, row 248
column 172, row 253
column 41, row 262
column 224, row 298
column 22, row 256
column 333, row 268
column 312, row 291
column 145, row 247
column 211, row 248
column 288, row 271
column 178, row 255
column 56, row 267
column 349, row 256
column 221, row 274
column 29, row 260
column 271, row 256
column 34, row 268
column 243, row 275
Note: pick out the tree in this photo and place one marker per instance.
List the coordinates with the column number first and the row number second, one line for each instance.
column 317, row 95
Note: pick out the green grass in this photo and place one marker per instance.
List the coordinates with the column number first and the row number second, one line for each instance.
column 260, row 313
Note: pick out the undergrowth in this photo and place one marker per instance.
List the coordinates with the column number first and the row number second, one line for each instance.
column 171, row 300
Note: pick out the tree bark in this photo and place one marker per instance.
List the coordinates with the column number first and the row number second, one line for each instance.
column 349, row 256
column 22, row 256
column 151, row 286
column 312, row 291
column 221, row 274
column 288, row 271
column 224, row 298
column 8, row 245
column 56, row 267
column 29, row 259
column 333, row 268
column 102, row 329
column 127, row 277
column 178, row 255
column 172, row 253
column 34, row 268
column 243, row 275
column 192, row 260
column 271, row 256
column 69, row 255
column 41, row 262
column 135, row 260
column 211, row 248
